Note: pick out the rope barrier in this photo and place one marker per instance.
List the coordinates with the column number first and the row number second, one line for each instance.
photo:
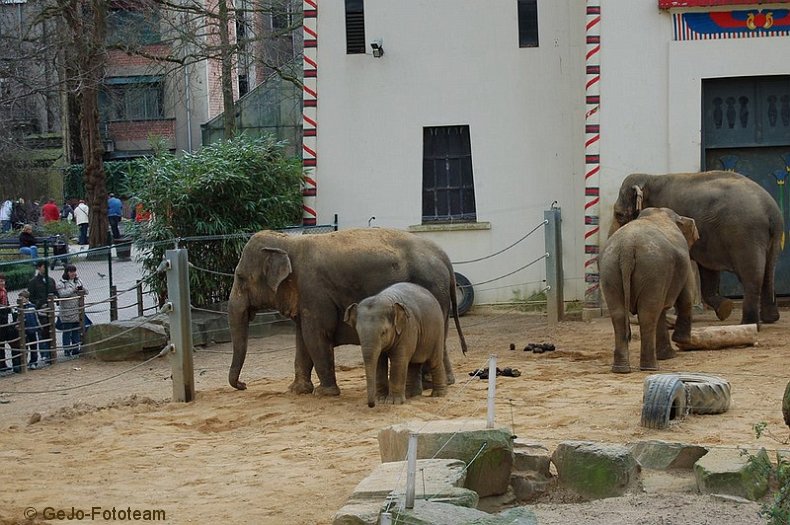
column 206, row 270
column 543, row 223
column 65, row 389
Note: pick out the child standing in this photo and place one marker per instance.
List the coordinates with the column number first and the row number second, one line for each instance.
column 32, row 330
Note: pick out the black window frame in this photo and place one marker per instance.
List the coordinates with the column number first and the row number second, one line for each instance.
column 355, row 27
column 448, row 192
column 528, row 23
column 120, row 99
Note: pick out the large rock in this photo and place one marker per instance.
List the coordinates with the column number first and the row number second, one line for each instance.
column 596, row 470
column 664, row 455
column 209, row 327
column 488, row 453
column 433, row 513
column 124, row 340
column 531, row 476
column 728, row 471
column 440, row 480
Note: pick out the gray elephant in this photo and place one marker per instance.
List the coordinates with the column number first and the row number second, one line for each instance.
column 645, row 269
column 312, row 279
column 740, row 229
column 403, row 324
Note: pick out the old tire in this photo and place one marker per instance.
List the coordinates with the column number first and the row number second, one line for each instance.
column 707, row 394
column 464, row 293
column 664, row 399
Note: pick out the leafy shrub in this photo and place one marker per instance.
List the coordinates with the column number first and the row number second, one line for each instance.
column 777, row 510
column 117, row 173
column 66, row 229
column 234, row 187
column 17, row 275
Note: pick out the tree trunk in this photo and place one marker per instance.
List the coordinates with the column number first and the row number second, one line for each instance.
column 226, row 58
column 95, row 178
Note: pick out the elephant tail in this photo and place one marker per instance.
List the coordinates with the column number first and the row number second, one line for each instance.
column 627, row 264
column 454, row 309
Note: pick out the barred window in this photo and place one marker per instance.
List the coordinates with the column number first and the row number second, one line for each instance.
column 527, row 23
column 355, row 27
column 132, row 98
column 448, row 192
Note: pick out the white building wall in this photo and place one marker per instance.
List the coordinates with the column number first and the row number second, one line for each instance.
column 453, row 62
column 450, row 62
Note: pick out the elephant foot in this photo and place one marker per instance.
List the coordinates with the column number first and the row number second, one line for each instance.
column 324, row 391
column 451, row 376
column 438, row 392
column 681, row 337
column 301, row 387
column 648, row 367
column 724, row 309
column 664, row 354
column 395, row 400
column 621, row 369
column 769, row 314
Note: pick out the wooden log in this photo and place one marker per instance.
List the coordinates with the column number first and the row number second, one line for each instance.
column 714, row 337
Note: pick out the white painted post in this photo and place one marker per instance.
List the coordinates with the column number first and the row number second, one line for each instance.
column 411, row 470
column 491, row 390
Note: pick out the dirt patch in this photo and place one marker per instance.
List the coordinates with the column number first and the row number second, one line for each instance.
column 266, row 456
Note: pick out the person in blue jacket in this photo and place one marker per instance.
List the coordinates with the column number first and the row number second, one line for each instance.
column 114, row 213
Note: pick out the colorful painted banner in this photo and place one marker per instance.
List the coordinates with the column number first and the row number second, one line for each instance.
column 753, row 23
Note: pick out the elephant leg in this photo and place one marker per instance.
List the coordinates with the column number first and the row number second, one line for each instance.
column 448, row 367
column 303, row 367
column 438, row 373
column 648, row 323
column 321, row 351
column 399, row 366
column 664, row 348
column 622, row 334
column 769, row 313
column 382, row 377
column 683, row 307
column 414, row 385
column 709, row 282
column 752, row 279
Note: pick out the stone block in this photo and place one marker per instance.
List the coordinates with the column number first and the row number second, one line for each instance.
column 531, row 457
column 596, row 470
column 529, row 486
column 664, row 455
column 729, row 471
column 124, row 341
column 488, row 453
column 433, row 513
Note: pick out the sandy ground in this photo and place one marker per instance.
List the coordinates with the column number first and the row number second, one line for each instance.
column 267, row 456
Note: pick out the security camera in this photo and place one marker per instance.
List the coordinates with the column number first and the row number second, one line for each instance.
column 378, row 49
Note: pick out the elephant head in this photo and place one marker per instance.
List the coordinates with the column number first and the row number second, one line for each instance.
column 378, row 323
column 631, row 200
column 262, row 280
column 686, row 225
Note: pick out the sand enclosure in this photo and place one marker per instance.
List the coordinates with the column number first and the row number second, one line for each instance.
column 267, row 456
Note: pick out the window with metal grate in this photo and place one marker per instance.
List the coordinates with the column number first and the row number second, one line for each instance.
column 448, row 192
column 527, row 23
column 355, row 27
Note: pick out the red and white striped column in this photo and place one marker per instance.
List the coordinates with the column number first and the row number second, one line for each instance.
column 309, row 112
column 592, row 157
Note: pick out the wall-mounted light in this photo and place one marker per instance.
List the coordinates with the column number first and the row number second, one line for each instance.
column 378, row 49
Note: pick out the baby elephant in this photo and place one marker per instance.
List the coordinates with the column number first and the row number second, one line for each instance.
column 645, row 269
column 405, row 324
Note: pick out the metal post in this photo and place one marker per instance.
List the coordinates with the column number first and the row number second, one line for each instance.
column 180, row 325
column 52, row 334
column 554, row 278
column 140, row 309
column 25, row 358
column 81, row 306
column 411, row 470
column 491, row 390
column 113, row 302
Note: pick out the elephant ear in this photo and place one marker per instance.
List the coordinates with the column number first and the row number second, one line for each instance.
column 276, row 267
column 350, row 317
column 688, row 226
column 401, row 317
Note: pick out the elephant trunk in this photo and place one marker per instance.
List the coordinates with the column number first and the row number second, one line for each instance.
column 238, row 320
column 371, row 356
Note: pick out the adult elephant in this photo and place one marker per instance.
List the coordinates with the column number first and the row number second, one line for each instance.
column 312, row 279
column 740, row 229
